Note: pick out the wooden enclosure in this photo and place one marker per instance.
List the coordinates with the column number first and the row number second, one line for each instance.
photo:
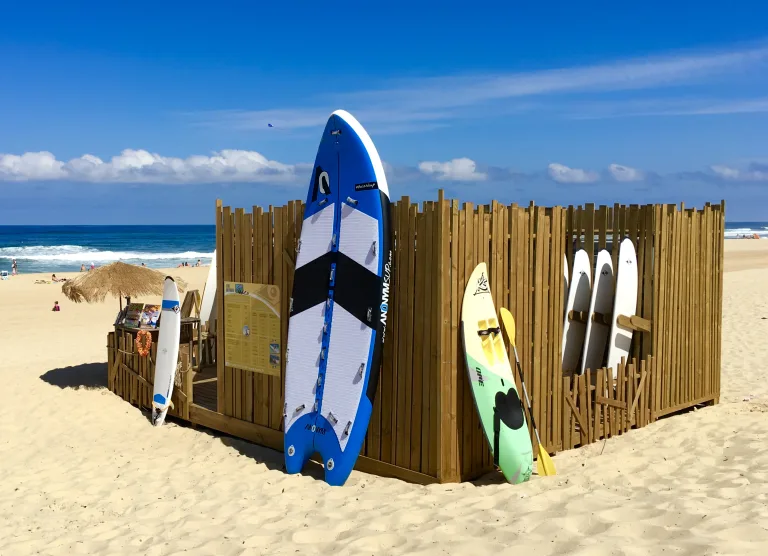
column 424, row 426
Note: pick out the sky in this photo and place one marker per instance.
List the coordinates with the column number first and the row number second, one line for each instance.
column 142, row 112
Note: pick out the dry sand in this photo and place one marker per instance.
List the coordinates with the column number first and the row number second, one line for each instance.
column 83, row 472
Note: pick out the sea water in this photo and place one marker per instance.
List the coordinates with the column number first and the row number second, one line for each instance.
column 66, row 248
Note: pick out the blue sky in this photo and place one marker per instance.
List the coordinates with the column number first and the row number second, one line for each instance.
column 165, row 105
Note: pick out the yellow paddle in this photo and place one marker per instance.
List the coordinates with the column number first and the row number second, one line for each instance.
column 544, row 464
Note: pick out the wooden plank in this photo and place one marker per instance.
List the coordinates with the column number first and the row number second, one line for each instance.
column 598, row 412
column 227, row 247
column 636, row 398
column 588, row 405
column 276, row 398
column 616, row 234
column 558, row 307
column 588, row 221
column 583, row 402
column 460, row 239
column 719, row 276
column 262, row 383
column 601, row 226
column 257, row 392
column 237, row 374
column 445, row 471
column 539, row 313
column 435, row 318
column 400, row 443
column 566, row 416
column 574, row 408
column 454, row 348
column 417, row 437
column 469, row 416
column 407, row 338
column 647, row 273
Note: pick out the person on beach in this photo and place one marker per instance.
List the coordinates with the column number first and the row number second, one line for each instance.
column 82, row 267
column 197, row 263
column 56, row 306
column 14, row 267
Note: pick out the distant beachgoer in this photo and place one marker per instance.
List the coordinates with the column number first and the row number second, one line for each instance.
column 197, row 263
column 143, row 264
column 93, row 266
column 56, row 306
column 82, row 267
column 14, row 267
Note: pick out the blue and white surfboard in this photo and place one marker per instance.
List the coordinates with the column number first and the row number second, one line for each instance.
column 338, row 313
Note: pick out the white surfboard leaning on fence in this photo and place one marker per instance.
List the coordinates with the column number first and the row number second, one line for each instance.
column 625, row 303
column 602, row 302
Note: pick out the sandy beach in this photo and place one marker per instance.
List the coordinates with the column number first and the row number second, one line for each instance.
column 83, row 472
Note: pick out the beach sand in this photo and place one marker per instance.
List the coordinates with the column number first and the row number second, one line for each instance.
column 83, row 472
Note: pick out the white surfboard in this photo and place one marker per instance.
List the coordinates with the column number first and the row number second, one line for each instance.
column 208, row 301
column 578, row 300
column 602, row 302
column 625, row 303
column 167, row 352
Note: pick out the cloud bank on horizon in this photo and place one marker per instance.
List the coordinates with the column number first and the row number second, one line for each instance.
column 240, row 166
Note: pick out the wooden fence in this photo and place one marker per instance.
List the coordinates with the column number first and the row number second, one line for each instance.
column 424, row 426
column 131, row 376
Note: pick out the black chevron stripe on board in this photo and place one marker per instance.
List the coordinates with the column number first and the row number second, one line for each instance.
column 358, row 290
column 310, row 283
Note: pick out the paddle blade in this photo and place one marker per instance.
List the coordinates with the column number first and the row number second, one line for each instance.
column 544, row 464
column 509, row 324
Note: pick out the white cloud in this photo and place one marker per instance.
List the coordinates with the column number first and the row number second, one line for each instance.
column 422, row 103
column 734, row 174
column 563, row 174
column 458, row 169
column 625, row 173
column 140, row 166
column 30, row 166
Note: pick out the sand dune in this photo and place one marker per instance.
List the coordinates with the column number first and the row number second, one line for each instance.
column 85, row 473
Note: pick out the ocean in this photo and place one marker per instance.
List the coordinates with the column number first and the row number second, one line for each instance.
column 65, row 248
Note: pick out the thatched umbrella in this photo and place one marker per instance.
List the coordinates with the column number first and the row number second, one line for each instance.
column 118, row 279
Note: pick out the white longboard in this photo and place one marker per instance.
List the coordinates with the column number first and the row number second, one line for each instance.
column 208, row 301
column 625, row 303
column 167, row 352
column 602, row 302
column 578, row 300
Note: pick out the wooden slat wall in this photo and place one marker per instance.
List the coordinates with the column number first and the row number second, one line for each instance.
column 424, row 418
column 131, row 376
column 677, row 364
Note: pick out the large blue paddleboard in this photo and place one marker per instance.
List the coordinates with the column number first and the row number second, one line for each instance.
column 338, row 312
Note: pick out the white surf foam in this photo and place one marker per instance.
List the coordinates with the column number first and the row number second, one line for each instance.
column 77, row 253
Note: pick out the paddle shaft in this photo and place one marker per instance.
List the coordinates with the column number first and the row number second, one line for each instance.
column 525, row 391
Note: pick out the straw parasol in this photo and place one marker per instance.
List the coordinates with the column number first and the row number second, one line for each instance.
column 118, row 279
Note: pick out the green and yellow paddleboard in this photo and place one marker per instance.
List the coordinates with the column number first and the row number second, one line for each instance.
column 493, row 385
